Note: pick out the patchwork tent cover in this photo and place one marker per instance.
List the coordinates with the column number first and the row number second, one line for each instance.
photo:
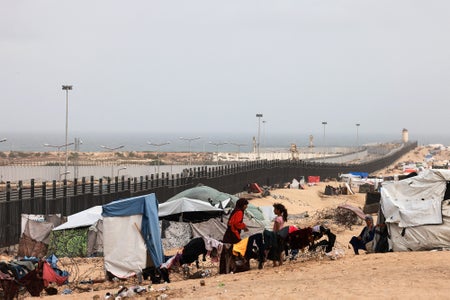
column 131, row 231
column 417, row 211
column 80, row 236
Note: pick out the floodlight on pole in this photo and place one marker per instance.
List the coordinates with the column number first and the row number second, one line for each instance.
column 217, row 145
column 324, row 124
column 112, row 150
column 67, row 88
column 189, row 142
column 157, row 152
column 259, row 116
column 357, row 134
column 58, row 147
column 120, row 169
column 3, row 140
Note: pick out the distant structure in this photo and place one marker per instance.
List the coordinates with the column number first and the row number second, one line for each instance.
column 405, row 136
column 311, row 141
column 294, row 151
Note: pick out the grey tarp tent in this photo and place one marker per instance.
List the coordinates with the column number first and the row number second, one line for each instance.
column 417, row 211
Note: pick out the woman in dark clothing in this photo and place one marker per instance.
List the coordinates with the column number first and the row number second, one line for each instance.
column 366, row 235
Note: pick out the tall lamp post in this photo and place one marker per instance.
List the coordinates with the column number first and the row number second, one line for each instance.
column 189, row 142
column 58, row 147
column 217, row 145
column 67, row 88
column 357, row 134
column 157, row 153
column 264, row 133
column 324, row 124
column 112, row 150
column 259, row 116
column 120, row 169
column 239, row 148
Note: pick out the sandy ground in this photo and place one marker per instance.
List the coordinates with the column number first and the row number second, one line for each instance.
column 401, row 275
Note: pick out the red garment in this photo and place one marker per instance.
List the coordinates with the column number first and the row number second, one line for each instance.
column 236, row 223
column 49, row 275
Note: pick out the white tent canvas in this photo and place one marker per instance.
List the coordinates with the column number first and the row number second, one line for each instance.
column 416, row 214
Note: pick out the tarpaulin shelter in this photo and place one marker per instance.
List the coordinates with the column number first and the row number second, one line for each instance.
column 417, row 211
column 131, row 233
column 186, row 209
column 208, row 194
column 80, row 236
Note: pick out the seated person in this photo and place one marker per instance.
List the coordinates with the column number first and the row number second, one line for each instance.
column 366, row 235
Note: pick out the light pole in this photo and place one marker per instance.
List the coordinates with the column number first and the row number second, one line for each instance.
column 357, row 134
column 259, row 116
column 112, row 150
column 157, row 153
column 264, row 133
column 189, row 142
column 67, row 88
column 324, row 124
column 120, row 169
column 239, row 148
column 217, row 145
column 58, row 147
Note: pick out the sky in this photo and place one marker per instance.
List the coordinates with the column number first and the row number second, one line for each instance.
column 196, row 67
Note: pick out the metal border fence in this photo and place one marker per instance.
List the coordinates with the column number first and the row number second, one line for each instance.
column 67, row 198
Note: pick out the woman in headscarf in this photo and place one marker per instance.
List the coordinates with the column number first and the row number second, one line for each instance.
column 236, row 223
column 366, row 235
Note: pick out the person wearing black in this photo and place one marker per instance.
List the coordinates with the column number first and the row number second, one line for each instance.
column 318, row 232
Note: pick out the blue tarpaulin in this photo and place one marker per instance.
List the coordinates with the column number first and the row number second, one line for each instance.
column 360, row 174
column 147, row 206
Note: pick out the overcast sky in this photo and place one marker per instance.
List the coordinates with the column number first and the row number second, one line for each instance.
column 210, row 66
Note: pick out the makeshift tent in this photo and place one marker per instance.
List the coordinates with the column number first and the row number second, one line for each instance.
column 206, row 193
column 80, row 236
column 36, row 231
column 188, row 210
column 130, row 232
column 417, row 211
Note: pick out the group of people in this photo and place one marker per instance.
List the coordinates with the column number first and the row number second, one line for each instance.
column 236, row 225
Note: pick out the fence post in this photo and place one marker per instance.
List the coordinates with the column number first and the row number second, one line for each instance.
column 83, row 185
column 32, row 189
column 44, row 197
column 141, row 183
column 75, row 186
column 146, row 182
column 91, row 183
column 100, row 186
column 152, row 178
column 19, row 187
column 8, row 190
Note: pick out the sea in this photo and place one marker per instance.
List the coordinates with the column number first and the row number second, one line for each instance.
column 172, row 142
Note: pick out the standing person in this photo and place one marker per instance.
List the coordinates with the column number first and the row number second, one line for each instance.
column 233, row 233
column 236, row 223
column 366, row 235
column 281, row 216
column 278, row 223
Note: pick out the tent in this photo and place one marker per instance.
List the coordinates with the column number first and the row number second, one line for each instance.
column 206, row 193
column 417, row 211
column 80, row 236
column 131, row 234
column 186, row 209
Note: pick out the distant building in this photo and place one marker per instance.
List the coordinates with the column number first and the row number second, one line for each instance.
column 405, row 137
